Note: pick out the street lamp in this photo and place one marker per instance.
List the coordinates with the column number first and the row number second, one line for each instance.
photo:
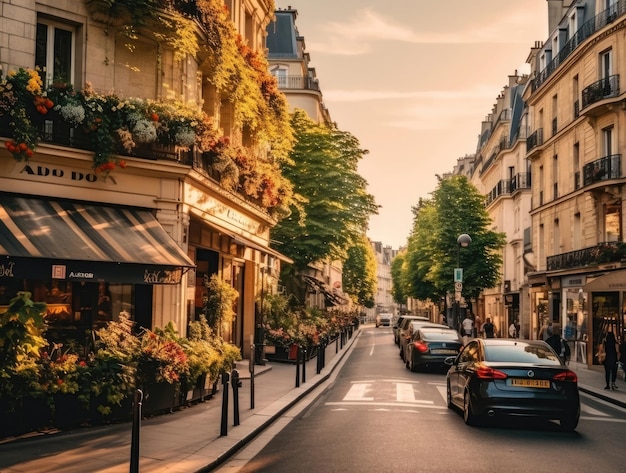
column 463, row 241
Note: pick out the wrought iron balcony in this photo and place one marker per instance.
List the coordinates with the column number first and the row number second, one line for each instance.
column 501, row 188
column 608, row 252
column 520, row 181
column 585, row 31
column 603, row 169
column 600, row 90
column 535, row 139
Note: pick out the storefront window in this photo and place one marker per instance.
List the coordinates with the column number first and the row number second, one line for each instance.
column 576, row 315
column 607, row 316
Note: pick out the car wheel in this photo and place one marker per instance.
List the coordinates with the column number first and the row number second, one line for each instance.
column 468, row 416
column 569, row 423
column 449, row 396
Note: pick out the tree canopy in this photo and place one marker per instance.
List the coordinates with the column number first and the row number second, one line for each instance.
column 359, row 273
column 456, row 207
column 334, row 207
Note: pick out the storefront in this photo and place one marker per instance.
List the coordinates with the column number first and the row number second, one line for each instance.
column 608, row 307
column 575, row 316
column 88, row 262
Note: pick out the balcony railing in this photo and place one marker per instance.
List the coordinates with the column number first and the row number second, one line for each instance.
column 535, row 139
column 585, row 31
column 608, row 252
column 298, row 83
column 600, row 90
column 520, row 181
column 501, row 188
column 603, row 169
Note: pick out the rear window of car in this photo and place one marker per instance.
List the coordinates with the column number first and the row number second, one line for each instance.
column 438, row 335
column 520, row 352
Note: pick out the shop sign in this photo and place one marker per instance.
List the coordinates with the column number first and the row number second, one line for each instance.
column 6, row 270
column 59, row 173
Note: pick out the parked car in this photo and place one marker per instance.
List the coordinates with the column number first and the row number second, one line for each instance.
column 384, row 320
column 511, row 377
column 396, row 325
column 430, row 346
column 405, row 332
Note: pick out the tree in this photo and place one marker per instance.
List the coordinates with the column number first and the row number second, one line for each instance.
column 456, row 207
column 334, row 207
column 399, row 288
column 359, row 273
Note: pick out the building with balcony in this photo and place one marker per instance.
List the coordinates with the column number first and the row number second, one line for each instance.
column 501, row 171
column 89, row 216
column 577, row 124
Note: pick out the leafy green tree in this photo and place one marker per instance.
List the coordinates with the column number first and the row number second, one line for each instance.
column 399, row 288
column 456, row 207
column 359, row 273
column 335, row 207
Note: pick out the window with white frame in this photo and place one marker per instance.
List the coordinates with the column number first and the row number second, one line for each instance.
column 606, row 64
column 54, row 51
column 280, row 72
column 607, row 141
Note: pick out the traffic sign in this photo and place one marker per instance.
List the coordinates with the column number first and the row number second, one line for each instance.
column 458, row 274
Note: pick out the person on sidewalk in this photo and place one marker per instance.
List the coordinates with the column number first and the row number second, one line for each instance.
column 608, row 354
column 489, row 329
column 468, row 329
column 513, row 332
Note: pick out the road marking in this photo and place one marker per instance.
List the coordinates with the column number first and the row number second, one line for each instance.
column 592, row 411
column 357, row 393
column 422, row 404
column 603, row 419
column 404, row 392
column 372, row 350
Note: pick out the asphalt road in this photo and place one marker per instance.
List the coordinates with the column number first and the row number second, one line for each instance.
column 377, row 416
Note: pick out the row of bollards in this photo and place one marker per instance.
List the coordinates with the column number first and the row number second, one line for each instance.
column 234, row 380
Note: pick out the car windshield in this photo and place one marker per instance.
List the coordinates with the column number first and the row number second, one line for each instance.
column 520, row 352
column 438, row 335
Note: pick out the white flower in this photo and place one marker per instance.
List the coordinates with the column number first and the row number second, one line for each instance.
column 144, row 132
column 185, row 137
column 74, row 114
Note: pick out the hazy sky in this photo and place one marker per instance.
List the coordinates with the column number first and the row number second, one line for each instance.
column 412, row 80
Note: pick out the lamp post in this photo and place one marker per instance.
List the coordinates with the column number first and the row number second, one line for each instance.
column 463, row 241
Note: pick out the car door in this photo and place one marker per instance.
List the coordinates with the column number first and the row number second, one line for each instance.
column 460, row 373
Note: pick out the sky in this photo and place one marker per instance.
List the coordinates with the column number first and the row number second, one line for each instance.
column 412, row 80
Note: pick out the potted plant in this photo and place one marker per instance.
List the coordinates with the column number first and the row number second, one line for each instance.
column 204, row 359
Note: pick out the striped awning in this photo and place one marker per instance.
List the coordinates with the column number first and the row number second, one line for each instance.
column 58, row 239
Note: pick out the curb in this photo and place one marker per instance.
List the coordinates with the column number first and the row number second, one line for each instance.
column 321, row 378
column 599, row 395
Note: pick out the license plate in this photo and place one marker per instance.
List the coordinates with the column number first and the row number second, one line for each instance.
column 443, row 352
column 530, row 383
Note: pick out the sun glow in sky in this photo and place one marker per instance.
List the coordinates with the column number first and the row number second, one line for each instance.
column 412, row 80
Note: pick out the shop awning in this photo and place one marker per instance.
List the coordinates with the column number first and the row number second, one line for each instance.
column 614, row 281
column 59, row 239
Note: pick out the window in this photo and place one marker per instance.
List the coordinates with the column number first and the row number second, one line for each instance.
column 607, row 141
column 280, row 72
column 606, row 64
column 612, row 219
column 555, row 176
column 54, row 52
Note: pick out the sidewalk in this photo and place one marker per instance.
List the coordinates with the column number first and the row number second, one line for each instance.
column 189, row 440
column 186, row 441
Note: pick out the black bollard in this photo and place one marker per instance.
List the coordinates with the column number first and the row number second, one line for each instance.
column 319, row 358
column 337, row 344
column 297, row 367
column 224, row 426
column 236, row 384
column 304, row 365
column 251, row 379
column 134, row 446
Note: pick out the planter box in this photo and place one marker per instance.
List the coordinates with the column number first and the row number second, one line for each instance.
column 287, row 354
column 160, row 397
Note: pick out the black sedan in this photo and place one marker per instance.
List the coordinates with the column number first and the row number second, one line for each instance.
column 430, row 346
column 510, row 377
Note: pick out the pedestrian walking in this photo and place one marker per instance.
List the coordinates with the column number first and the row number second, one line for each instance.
column 608, row 354
column 489, row 329
column 468, row 329
column 513, row 332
